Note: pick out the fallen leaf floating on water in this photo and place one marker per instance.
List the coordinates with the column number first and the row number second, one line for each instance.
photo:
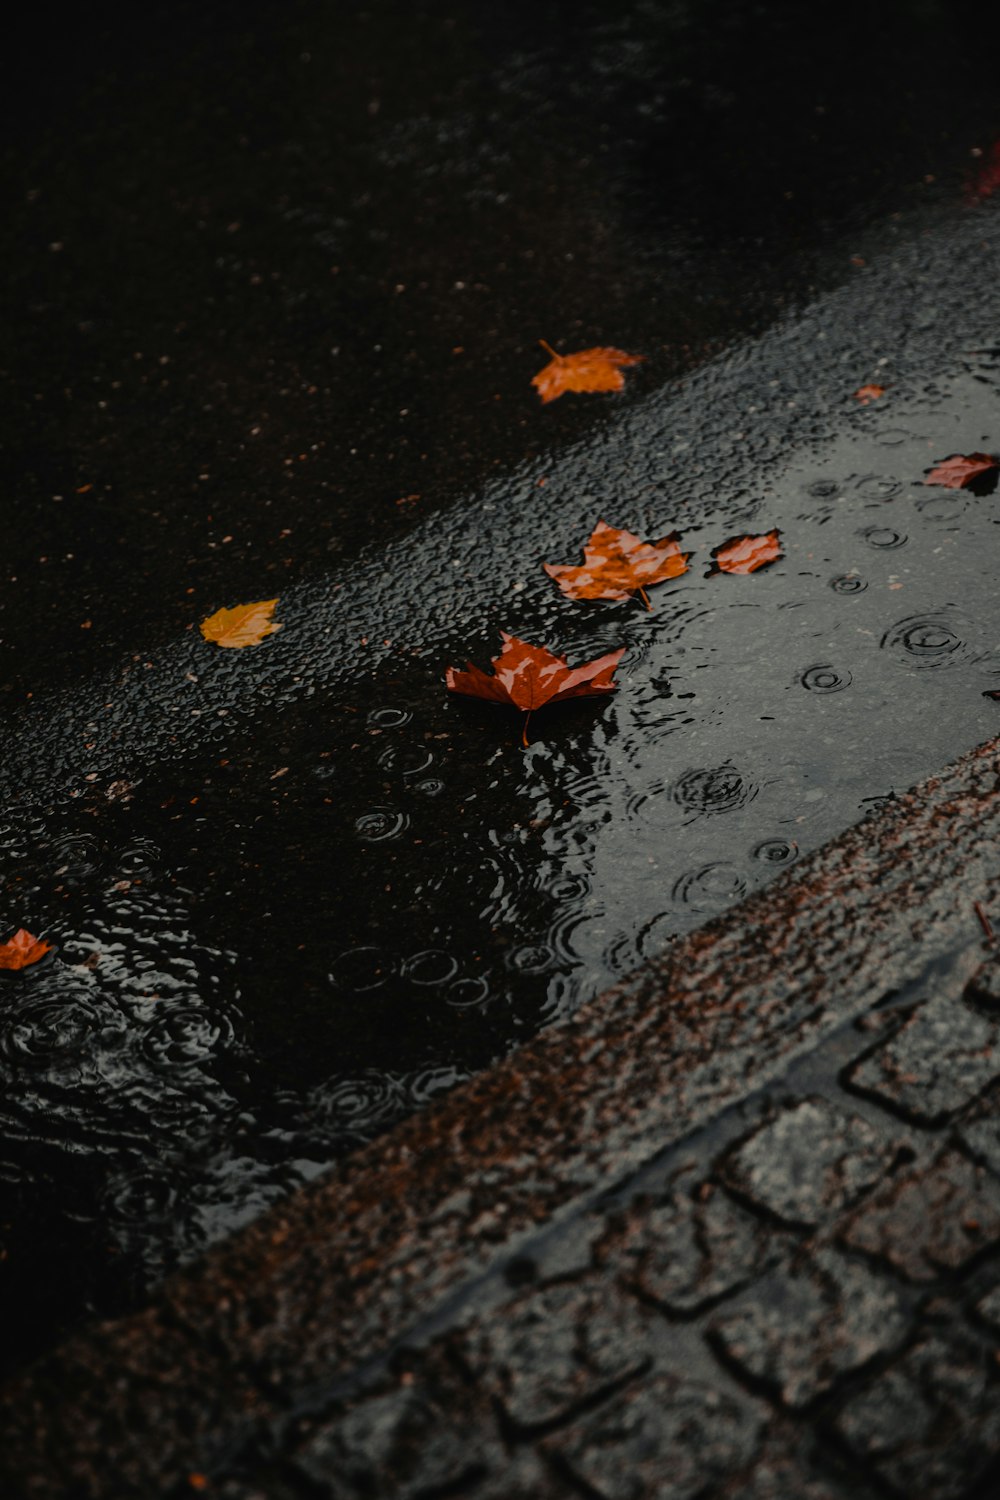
column 962, row 469
column 244, row 625
column 745, row 554
column 22, row 949
column 617, row 564
column 588, row 370
column 531, row 676
column 866, row 394
column 987, row 180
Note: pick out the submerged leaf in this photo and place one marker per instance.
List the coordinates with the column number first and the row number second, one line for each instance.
column 617, row 564
column 244, row 625
column 588, row 370
column 745, row 554
column 22, row 949
column 866, row 394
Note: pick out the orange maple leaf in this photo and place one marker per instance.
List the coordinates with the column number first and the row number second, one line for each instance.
column 588, row 370
column 531, row 676
column 22, row 949
column 866, row 394
column 244, row 625
column 745, row 554
column 962, row 469
column 618, row 564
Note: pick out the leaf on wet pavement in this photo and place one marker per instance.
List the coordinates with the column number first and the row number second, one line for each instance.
column 244, row 625
column 22, row 949
column 618, row 564
column 587, row 370
column 529, row 677
column 986, row 181
column 866, row 394
column 745, row 554
column 962, row 469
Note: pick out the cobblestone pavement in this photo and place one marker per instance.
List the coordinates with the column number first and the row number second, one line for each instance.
column 799, row 1303
column 680, row 1285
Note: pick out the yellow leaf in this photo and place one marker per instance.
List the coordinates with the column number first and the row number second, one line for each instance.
column 245, row 625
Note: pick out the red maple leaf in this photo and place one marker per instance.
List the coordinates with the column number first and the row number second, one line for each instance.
column 745, row 554
column 531, row 676
column 961, row 469
column 588, row 370
column 22, row 949
column 987, row 180
column 617, row 564
column 866, row 394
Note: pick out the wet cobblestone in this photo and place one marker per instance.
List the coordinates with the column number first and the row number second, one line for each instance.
column 932, row 1220
column 930, row 1425
column 942, row 1057
column 804, row 1326
column 695, row 1345
column 979, row 1133
column 399, row 1444
column 984, row 986
column 548, row 1351
column 811, row 1161
column 668, row 1441
column 690, row 1250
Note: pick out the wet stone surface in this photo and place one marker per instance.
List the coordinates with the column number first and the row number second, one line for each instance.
column 554, row 1349
column 989, row 1310
column 942, row 1058
column 930, row 1221
column 930, row 1425
column 979, row 1132
column 755, row 1341
column 984, row 986
column 689, row 1251
column 778, row 1476
column 808, row 1163
column 809, row 1323
column 672, row 1438
column 398, row 1444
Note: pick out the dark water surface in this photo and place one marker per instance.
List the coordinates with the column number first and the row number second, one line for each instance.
column 297, row 891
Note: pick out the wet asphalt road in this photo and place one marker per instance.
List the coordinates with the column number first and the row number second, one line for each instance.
column 276, row 286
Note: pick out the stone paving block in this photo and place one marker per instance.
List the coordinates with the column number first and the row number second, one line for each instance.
column 550, row 1349
column 979, row 1132
column 777, row 1475
column 984, row 986
column 689, row 1251
column 809, row 1323
column 525, row 1477
column 929, row 1221
column 665, row 1440
column 809, row 1163
column 397, row 1444
column 936, row 1063
column 929, row 1425
column 988, row 1308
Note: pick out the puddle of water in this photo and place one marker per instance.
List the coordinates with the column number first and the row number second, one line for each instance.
column 269, row 955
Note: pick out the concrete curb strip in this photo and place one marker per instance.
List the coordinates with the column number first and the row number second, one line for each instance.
column 335, row 1275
